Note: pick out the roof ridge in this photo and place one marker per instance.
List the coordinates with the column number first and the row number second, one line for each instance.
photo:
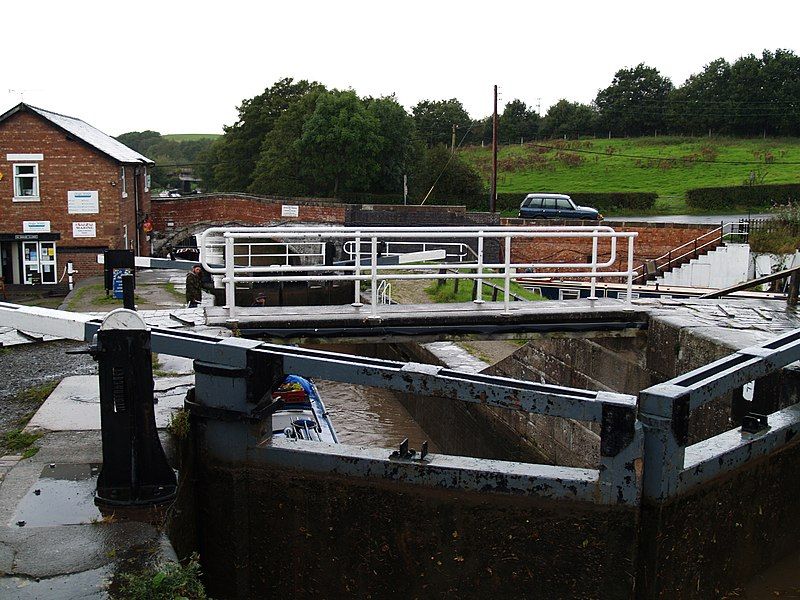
column 52, row 112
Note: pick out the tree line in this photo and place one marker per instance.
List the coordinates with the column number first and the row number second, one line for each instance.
column 300, row 138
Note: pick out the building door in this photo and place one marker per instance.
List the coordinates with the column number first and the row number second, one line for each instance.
column 47, row 262
column 39, row 262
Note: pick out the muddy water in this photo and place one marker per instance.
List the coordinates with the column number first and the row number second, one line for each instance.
column 366, row 416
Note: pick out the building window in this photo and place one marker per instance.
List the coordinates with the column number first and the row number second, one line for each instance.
column 124, row 183
column 26, row 182
column 146, row 180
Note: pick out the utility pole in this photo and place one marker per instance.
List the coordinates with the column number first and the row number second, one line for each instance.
column 453, row 143
column 493, row 198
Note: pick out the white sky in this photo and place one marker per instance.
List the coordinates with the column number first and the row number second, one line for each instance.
column 184, row 67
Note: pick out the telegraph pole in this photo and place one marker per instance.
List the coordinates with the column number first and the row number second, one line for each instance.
column 493, row 198
column 453, row 144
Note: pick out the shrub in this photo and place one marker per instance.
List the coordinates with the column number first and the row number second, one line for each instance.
column 742, row 195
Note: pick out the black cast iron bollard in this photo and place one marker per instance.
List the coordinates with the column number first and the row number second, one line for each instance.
column 135, row 471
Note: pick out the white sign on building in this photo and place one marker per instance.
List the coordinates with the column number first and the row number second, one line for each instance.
column 84, row 229
column 36, row 227
column 288, row 210
column 83, row 203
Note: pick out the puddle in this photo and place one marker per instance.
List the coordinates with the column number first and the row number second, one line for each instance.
column 63, row 495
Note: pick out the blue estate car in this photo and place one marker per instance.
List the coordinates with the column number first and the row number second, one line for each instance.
column 555, row 206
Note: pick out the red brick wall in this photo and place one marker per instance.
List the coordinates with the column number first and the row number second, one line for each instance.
column 654, row 240
column 68, row 164
column 187, row 211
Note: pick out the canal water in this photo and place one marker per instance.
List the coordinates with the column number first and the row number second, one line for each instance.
column 369, row 416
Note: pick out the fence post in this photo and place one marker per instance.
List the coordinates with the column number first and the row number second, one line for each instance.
column 230, row 285
column 478, row 296
column 507, row 274
column 374, row 275
column 592, row 293
column 357, row 272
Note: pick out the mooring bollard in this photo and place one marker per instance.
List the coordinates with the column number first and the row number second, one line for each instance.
column 135, row 470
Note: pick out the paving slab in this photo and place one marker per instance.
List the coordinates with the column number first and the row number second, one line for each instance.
column 74, row 405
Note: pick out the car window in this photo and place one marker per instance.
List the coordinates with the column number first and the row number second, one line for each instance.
column 535, row 203
column 525, row 203
column 563, row 204
column 549, row 202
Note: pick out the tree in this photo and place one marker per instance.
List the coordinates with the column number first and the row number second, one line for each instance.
column 703, row 102
column 435, row 119
column 568, row 118
column 278, row 168
column 636, row 101
column 765, row 93
column 238, row 150
column 399, row 150
column 340, row 144
column 454, row 178
column 517, row 122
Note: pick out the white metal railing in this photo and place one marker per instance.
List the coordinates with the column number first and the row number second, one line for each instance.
column 454, row 251
column 385, row 292
column 222, row 252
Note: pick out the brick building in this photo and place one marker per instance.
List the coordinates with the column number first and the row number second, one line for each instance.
column 67, row 192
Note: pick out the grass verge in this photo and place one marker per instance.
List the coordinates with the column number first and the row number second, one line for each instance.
column 447, row 292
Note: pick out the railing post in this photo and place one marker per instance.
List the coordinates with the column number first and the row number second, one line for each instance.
column 507, row 289
column 374, row 275
column 479, row 281
column 357, row 272
column 230, row 284
column 592, row 293
column 630, row 268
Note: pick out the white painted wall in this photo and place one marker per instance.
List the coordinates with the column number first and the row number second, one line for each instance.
column 722, row 267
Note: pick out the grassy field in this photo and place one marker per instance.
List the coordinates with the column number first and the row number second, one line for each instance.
column 191, row 137
column 665, row 165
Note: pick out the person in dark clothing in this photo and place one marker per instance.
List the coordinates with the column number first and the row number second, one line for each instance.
column 261, row 300
column 193, row 287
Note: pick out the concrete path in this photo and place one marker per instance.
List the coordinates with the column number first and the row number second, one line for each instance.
column 54, row 541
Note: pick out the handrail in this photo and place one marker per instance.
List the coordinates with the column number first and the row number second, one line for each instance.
column 230, row 266
column 719, row 234
column 689, row 243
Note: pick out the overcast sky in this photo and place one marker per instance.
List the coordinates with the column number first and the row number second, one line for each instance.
column 184, row 67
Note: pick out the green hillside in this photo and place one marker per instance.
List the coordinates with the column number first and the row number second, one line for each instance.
column 665, row 165
column 190, row 137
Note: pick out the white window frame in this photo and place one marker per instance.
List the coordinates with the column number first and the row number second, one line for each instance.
column 35, row 176
column 124, row 183
column 146, row 181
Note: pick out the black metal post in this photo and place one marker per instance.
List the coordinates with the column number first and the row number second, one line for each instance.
column 127, row 292
column 135, row 469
